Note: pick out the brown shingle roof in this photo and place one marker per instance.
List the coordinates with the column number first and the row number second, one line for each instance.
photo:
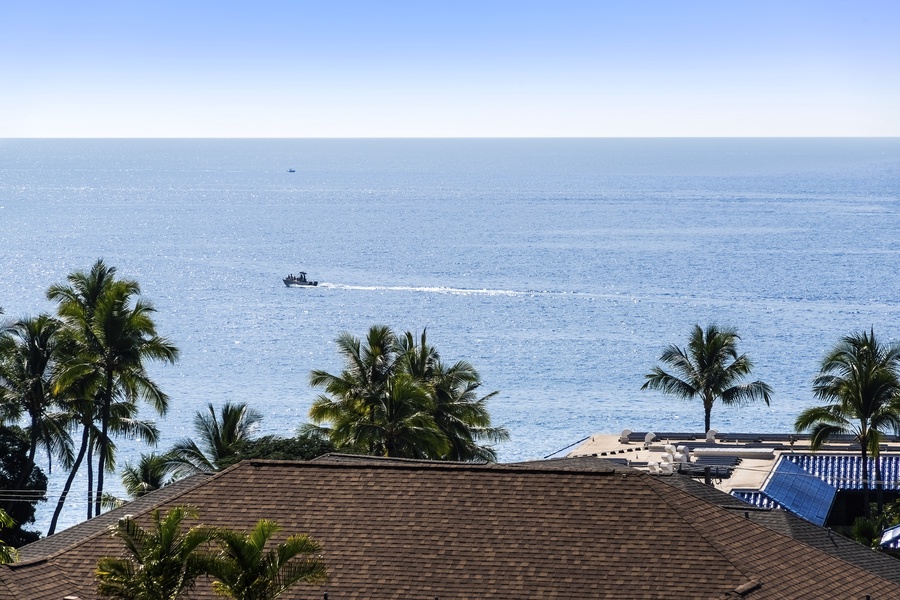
column 419, row 530
column 67, row 537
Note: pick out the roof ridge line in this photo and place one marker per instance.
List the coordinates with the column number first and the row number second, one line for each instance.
column 712, row 541
column 437, row 465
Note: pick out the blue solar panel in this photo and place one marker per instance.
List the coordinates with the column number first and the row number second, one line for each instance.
column 793, row 487
column 844, row 472
column 755, row 498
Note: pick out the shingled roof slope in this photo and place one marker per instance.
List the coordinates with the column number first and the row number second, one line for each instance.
column 828, row 542
column 793, row 526
column 60, row 541
column 420, row 530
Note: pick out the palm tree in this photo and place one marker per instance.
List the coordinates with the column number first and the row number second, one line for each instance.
column 859, row 383
column 709, row 368
column 368, row 368
column 352, row 395
column 396, row 423
column 162, row 561
column 400, row 423
column 396, row 398
column 123, row 422
column 152, row 472
column 219, row 437
column 462, row 415
column 246, row 571
column 81, row 408
column 28, row 353
column 457, row 410
column 114, row 339
column 77, row 303
column 373, row 408
column 8, row 554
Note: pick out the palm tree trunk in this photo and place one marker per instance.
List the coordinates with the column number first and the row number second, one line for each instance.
column 879, row 485
column 90, row 476
column 865, row 477
column 85, row 438
column 104, row 440
column 707, row 409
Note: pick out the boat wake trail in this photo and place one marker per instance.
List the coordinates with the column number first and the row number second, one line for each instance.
column 431, row 290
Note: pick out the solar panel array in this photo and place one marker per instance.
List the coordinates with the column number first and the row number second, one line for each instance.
column 806, row 484
column 845, row 472
column 756, row 498
column 800, row 492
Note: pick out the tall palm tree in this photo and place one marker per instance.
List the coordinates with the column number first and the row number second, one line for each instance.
column 220, row 436
column 123, row 422
column 115, row 337
column 81, row 407
column 709, row 368
column 77, row 303
column 162, row 562
column 859, row 384
column 28, row 353
column 245, row 570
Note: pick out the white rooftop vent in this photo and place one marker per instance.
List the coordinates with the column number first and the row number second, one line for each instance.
column 711, row 436
column 623, row 439
column 649, row 438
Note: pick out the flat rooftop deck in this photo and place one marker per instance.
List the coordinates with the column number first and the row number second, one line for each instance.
column 758, row 452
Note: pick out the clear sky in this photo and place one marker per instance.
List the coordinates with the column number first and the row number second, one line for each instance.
column 449, row 68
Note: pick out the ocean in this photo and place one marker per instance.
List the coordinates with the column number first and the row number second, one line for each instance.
column 560, row 268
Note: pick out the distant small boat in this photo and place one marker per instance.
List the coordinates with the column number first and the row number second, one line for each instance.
column 298, row 280
column 292, row 170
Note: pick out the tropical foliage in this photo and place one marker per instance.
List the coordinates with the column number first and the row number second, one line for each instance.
column 82, row 373
column 710, row 369
column 20, row 496
column 162, row 562
column 869, row 530
column 8, row 554
column 859, row 386
column 246, row 570
column 28, row 349
column 28, row 354
column 151, row 472
column 221, row 440
column 111, row 336
column 271, row 447
column 395, row 397
column 224, row 439
column 220, row 437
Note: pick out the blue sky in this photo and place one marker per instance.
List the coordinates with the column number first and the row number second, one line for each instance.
column 449, row 69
